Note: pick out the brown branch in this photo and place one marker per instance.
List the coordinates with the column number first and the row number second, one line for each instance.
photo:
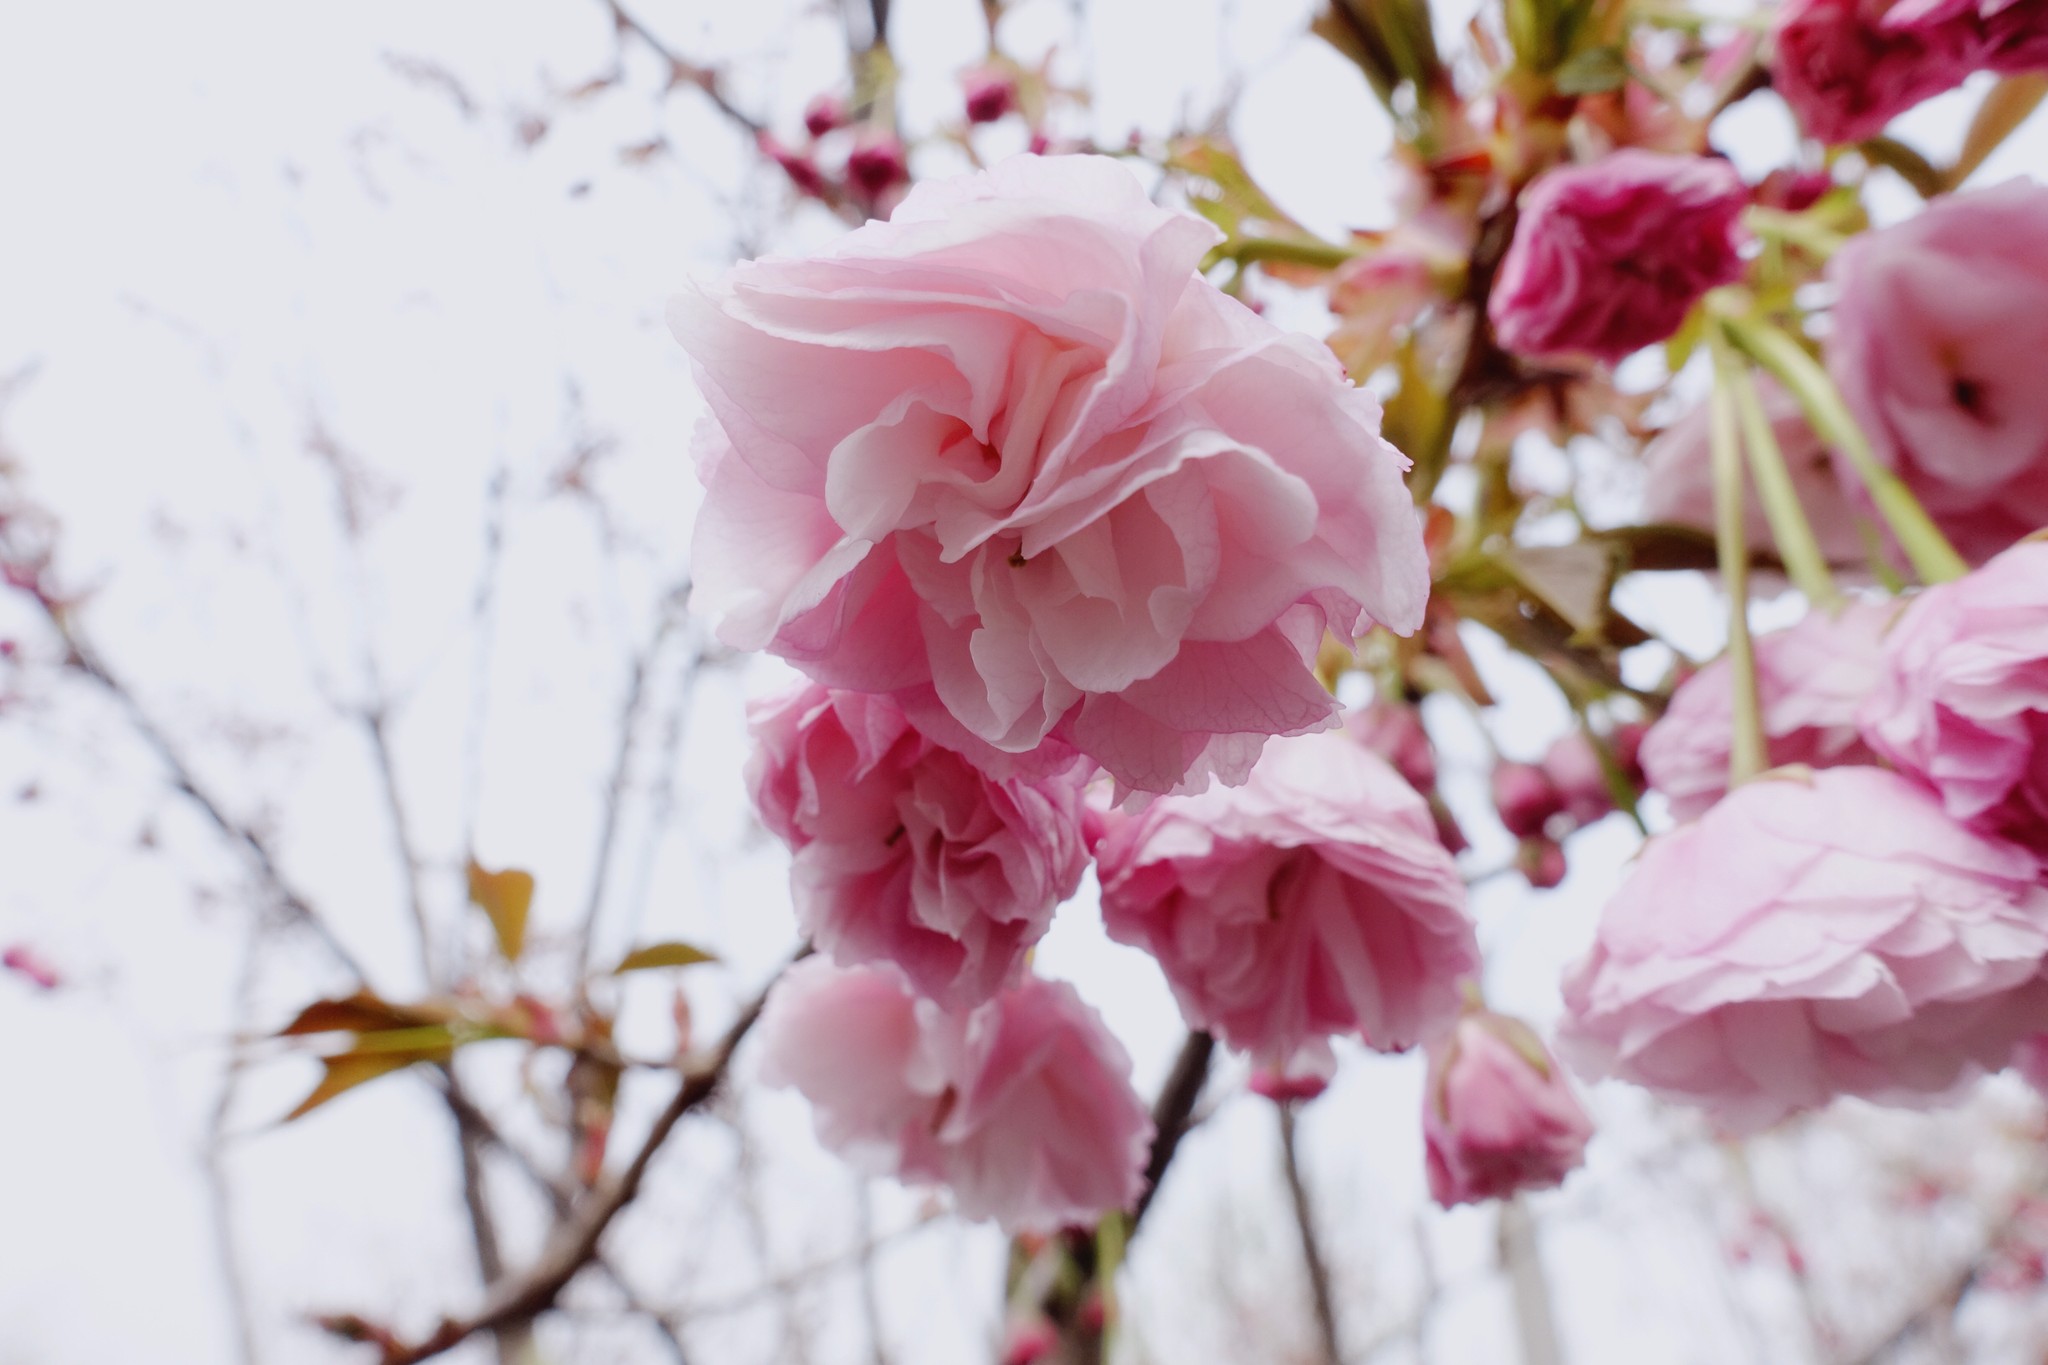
column 683, row 71
column 295, row 907
column 575, row 1244
column 376, row 722
column 1171, row 1112
column 1311, row 1250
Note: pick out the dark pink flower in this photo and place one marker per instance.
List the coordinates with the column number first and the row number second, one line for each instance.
column 1525, row 797
column 987, row 94
column 823, row 114
column 1312, row 901
column 1610, row 256
column 1961, row 698
column 878, row 164
column 798, row 166
column 1848, row 66
column 1008, row 456
column 1811, row 936
column 1498, row 1115
column 30, row 965
column 1934, row 342
column 1810, row 680
column 905, row 852
column 1023, row 1107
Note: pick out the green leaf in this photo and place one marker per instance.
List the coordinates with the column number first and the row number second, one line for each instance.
column 505, row 897
column 363, row 1012
column 663, row 955
column 1593, row 71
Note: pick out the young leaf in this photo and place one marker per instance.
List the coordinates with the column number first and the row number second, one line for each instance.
column 347, row 1071
column 663, row 955
column 505, row 897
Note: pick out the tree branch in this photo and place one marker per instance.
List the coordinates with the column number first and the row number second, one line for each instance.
column 1311, row 1249
column 683, row 71
column 1171, row 1112
column 575, row 1243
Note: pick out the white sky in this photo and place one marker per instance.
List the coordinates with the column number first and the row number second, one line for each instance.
column 228, row 222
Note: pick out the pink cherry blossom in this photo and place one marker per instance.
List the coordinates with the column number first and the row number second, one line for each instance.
column 1023, row 1106
column 1008, row 456
column 1678, row 480
column 1810, row 680
column 1934, row 343
column 1847, row 66
column 1808, row 937
column 1961, row 700
column 1394, row 731
column 1608, row 257
column 905, row 852
column 1525, row 798
column 1312, row 901
column 1498, row 1115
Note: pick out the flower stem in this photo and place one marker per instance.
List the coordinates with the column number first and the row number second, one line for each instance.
column 1795, row 229
column 1933, row 558
column 1790, row 529
column 1746, row 742
column 1291, row 250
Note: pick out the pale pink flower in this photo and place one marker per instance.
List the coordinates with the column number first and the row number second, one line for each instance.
column 1023, row 1106
column 1314, row 900
column 906, row 852
column 1935, row 341
column 1498, row 1115
column 1847, row 66
column 1678, row 476
column 1009, row 456
column 1610, row 256
column 1961, row 699
column 2030, row 1059
column 1810, row 936
column 1810, row 679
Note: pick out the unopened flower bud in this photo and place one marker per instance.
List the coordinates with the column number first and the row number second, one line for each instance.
column 1498, row 1115
column 823, row 114
column 1525, row 797
column 1541, row 862
column 988, row 94
column 877, row 165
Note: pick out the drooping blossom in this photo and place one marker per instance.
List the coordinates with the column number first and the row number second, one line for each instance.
column 1935, row 340
column 906, row 853
column 1609, row 256
column 1810, row 679
column 1848, row 66
column 1314, row 900
column 1498, row 1115
column 1678, row 480
column 1810, row 936
column 1961, row 697
column 1008, row 456
column 1023, row 1106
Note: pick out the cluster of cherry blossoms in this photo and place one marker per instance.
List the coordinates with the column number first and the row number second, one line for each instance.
column 1073, row 545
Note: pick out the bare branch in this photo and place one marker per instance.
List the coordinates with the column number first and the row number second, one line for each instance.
column 683, row 71
column 1311, row 1250
column 1171, row 1112
column 575, row 1244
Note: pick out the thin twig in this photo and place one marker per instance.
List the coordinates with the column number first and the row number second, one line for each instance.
column 683, row 71
column 575, row 1244
column 1170, row 1113
column 376, row 727
column 220, row 1204
column 1311, row 1248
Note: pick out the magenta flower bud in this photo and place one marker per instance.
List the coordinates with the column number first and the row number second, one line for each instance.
column 801, row 170
column 26, row 962
column 988, row 94
column 1847, row 66
column 1525, row 797
column 1498, row 1115
column 1541, row 862
column 878, row 164
column 1029, row 1341
column 1609, row 257
column 823, row 114
column 1574, row 768
column 1792, row 190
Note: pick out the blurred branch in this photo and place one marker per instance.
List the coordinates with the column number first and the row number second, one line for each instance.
column 575, row 1244
column 220, row 1203
column 1171, row 1112
column 1535, row 1323
column 1311, row 1249
column 683, row 71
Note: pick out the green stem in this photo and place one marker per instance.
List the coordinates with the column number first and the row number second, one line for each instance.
column 1292, row 250
column 1746, row 743
column 1797, row 230
column 1933, row 558
column 1797, row 546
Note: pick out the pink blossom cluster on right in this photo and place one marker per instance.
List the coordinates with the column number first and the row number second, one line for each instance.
column 1838, row 927
column 1848, row 66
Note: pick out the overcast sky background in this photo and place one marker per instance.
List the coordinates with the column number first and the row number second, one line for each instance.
column 229, row 226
